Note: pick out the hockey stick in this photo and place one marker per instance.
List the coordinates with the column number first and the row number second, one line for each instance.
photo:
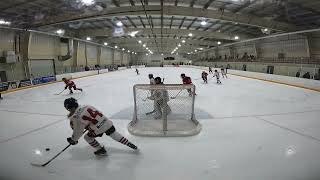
column 60, row 92
column 43, row 165
column 151, row 112
column 176, row 94
column 46, row 163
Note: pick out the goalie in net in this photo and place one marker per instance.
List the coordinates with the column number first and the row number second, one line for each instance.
column 164, row 110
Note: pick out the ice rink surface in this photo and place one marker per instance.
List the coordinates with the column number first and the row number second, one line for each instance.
column 251, row 130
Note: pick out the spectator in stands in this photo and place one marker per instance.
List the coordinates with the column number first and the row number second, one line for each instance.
column 298, row 74
column 306, row 75
column 97, row 66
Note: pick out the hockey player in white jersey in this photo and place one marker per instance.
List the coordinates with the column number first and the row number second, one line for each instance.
column 160, row 98
column 89, row 118
column 151, row 78
column 217, row 75
column 223, row 73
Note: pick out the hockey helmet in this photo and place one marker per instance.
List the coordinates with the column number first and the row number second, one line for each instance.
column 70, row 103
column 157, row 80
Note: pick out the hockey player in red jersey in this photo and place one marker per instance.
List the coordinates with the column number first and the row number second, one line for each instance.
column 89, row 118
column 187, row 80
column 70, row 84
column 204, row 76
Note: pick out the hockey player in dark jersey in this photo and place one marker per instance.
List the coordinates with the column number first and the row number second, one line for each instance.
column 187, row 80
column 204, row 76
column 70, row 84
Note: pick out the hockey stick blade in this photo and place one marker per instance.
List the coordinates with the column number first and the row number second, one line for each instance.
column 38, row 165
column 148, row 113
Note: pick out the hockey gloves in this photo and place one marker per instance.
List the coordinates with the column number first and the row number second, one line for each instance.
column 71, row 141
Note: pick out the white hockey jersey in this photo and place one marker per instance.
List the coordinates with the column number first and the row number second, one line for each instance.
column 216, row 74
column 88, row 117
column 152, row 82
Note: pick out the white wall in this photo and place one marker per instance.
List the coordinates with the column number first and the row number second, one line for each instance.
column 314, row 44
column 43, row 47
column 157, row 59
column 292, row 46
column 81, row 61
column 13, row 71
column 106, row 56
column 117, row 58
column 92, row 55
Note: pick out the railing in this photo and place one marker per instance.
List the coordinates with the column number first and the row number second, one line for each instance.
column 266, row 60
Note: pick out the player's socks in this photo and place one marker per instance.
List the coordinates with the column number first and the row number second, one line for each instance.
column 118, row 137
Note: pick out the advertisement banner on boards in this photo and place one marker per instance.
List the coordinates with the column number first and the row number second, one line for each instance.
column 4, row 86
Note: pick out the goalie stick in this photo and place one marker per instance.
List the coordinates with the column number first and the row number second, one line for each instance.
column 176, row 94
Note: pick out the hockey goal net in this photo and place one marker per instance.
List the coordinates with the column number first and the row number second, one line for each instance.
column 164, row 110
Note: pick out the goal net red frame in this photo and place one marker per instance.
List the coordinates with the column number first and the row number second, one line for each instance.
column 164, row 110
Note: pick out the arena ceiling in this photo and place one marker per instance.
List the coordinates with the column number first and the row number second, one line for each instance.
column 162, row 24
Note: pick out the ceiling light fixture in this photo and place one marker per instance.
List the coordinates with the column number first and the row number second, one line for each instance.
column 3, row 22
column 219, row 42
column 105, row 43
column 203, row 23
column 236, row 37
column 183, row 41
column 116, row 47
column 139, row 41
column 59, row 31
column 87, row 2
column 119, row 23
column 88, row 38
column 190, row 34
column 144, row 45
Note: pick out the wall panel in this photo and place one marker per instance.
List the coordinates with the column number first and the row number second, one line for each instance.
column 106, row 56
column 43, row 47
